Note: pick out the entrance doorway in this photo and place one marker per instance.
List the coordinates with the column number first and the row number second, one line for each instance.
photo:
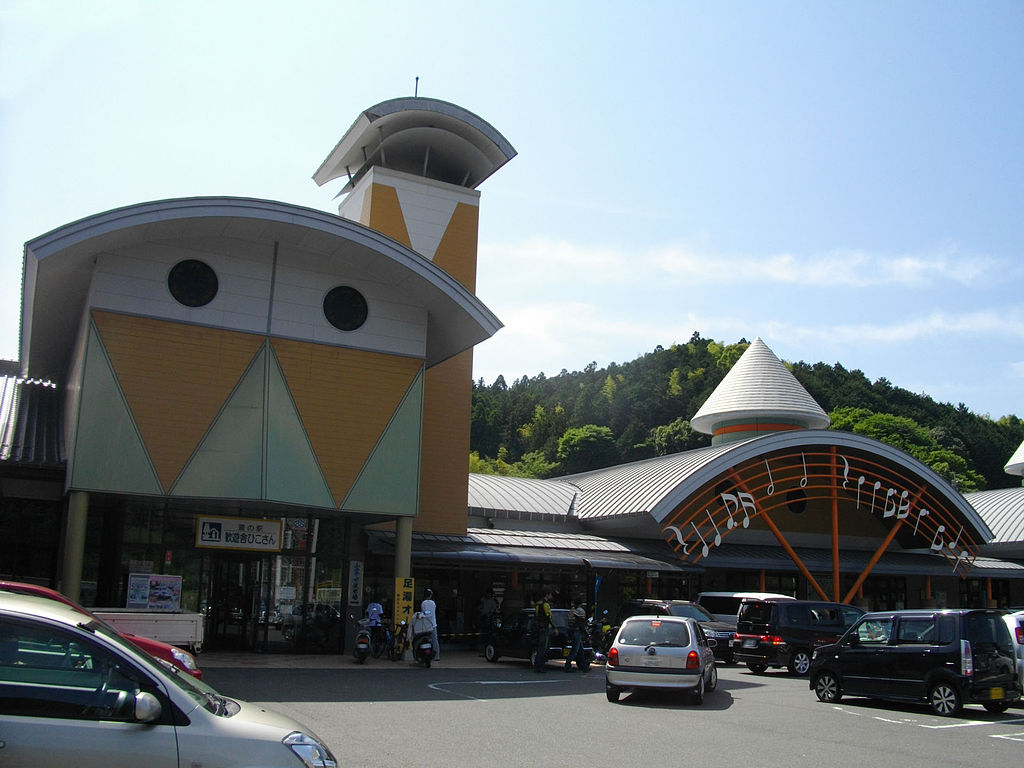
column 234, row 594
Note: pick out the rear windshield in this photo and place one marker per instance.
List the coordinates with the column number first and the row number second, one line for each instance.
column 756, row 612
column 654, row 632
column 989, row 629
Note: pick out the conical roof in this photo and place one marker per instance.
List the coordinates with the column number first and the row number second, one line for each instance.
column 757, row 390
column 1015, row 466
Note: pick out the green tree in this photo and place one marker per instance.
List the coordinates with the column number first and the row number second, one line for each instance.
column 588, row 447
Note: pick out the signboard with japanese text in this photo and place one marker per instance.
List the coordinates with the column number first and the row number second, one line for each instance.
column 405, row 588
column 355, row 582
column 254, row 535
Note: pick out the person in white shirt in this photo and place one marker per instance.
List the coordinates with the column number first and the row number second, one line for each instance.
column 429, row 609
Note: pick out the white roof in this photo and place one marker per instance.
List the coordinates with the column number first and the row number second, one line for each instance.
column 1015, row 466
column 758, row 388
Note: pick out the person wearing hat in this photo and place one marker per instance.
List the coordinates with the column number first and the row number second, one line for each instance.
column 429, row 609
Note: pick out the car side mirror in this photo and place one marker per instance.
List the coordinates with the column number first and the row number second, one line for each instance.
column 147, row 707
column 712, row 643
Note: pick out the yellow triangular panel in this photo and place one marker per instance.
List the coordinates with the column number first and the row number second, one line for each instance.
column 346, row 398
column 175, row 378
column 386, row 214
column 456, row 253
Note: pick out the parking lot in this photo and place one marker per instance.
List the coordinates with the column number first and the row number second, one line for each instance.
column 465, row 711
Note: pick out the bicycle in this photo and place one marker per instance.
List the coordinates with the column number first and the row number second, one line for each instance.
column 380, row 637
column 396, row 642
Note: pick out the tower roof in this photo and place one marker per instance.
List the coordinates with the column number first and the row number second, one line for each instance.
column 1015, row 466
column 757, row 389
column 423, row 137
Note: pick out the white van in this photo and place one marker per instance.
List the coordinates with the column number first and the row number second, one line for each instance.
column 725, row 606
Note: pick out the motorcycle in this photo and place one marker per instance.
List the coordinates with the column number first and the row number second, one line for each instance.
column 362, row 647
column 422, row 640
column 601, row 635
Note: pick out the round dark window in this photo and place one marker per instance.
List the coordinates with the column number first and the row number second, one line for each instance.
column 345, row 308
column 192, row 283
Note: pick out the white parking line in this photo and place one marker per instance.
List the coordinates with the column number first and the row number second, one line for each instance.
column 441, row 686
column 1008, row 736
column 943, row 726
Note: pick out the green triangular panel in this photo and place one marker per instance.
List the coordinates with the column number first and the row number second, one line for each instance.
column 228, row 461
column 389, row 481
column 293, row 474
column 108, row 452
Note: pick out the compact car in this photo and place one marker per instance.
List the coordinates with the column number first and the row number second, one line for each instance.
column 1015, row 623
column 161, row 650
column 661, row 652
column 720, row 631
column 73, row 692
column 946, row 658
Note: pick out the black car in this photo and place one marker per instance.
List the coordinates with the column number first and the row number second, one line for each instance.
column 513, row 636
column 784, row 633
column 719, row 631
column 946, row 658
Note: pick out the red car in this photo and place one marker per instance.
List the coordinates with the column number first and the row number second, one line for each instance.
column 161, row 650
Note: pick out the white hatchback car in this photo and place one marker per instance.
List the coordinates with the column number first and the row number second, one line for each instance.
column 661, row 652
column 74, row 692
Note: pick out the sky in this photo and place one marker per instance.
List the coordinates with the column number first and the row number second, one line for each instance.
column 844, row 180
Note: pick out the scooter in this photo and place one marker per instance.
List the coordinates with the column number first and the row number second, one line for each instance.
column 422, row 640
column 362, row 646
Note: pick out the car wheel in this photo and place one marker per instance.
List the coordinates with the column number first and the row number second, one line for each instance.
column 826, row 687
column 944, row 699
column 756, row 667
column 612, row 693
column 490, row 652
column 800, row 662
column 996, row 706
column 698, row 692
column 713, row 678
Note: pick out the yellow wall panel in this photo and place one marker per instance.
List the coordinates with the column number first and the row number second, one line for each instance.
column 386, row 213
column 444, row 469
column 175, row 377
column 345, row 398
column 456, row 253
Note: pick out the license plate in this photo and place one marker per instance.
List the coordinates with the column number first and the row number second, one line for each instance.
column 652, row 661
column 750, row 643
column 996, row 693
column 565, row 653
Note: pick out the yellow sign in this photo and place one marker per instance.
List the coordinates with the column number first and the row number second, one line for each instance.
column 404, row 591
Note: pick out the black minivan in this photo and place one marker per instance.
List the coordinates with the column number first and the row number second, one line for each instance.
column 946, row 658
column 784, row 633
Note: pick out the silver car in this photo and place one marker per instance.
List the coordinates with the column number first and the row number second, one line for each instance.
column 661, row 652
column 1015, row 623
column 73, row 692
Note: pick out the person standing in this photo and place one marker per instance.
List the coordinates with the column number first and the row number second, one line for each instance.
column 542, row 623
column 429, row 609
column 488, row 610
column 577, row 626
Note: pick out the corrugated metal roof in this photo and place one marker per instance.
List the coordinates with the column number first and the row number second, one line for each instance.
column 759, row 387
column 1003, row 511
column 820, row 561
column 31, row 423
column 630, row 489
column 520, row 494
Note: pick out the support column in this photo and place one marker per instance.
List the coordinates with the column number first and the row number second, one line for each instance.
column 403, row 548
column 74, row 545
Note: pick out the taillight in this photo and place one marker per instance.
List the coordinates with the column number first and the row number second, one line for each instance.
column 966, row 659
column 613, row 658
column 773, row 640
column 692, row 660
column 1020, row 635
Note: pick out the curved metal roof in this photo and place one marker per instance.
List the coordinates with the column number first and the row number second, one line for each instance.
column 758, row 388
column 424, row 137
column 1003, row 512
column 521, row 494
column 58, row 267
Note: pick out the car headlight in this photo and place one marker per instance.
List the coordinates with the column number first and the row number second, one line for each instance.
column 186, row 659
column 311, row 752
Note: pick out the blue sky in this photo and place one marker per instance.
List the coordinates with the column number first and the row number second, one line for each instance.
column 844, row 180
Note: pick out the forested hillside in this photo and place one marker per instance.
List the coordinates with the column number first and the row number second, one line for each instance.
column 573, row 422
